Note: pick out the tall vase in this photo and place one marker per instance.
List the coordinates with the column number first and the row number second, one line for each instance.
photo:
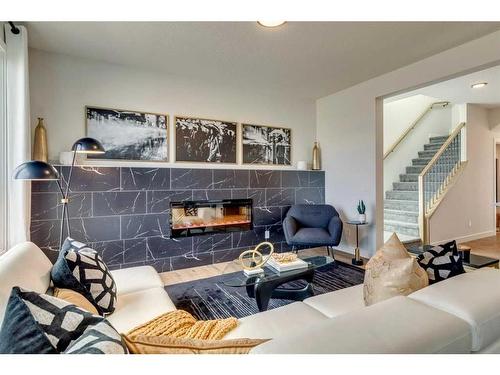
column 316, row 160
column 40, row 150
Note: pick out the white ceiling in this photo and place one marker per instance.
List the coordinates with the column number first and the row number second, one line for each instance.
column 458, row 90
column 306, row 59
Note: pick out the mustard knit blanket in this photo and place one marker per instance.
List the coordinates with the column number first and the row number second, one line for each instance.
column 181, row 324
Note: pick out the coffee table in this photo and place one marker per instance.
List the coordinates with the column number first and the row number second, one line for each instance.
column 266, row 285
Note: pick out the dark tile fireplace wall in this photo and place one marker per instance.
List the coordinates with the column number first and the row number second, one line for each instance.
column 124, row 212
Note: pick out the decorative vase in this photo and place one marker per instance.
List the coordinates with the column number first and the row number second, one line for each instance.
column 362, row 218
column 40, row 149
column 316, row 162
column 302, row 165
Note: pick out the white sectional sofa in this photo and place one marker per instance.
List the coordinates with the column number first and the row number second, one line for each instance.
column 458, row 315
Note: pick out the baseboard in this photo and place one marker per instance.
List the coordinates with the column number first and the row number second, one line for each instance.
column 470, row 237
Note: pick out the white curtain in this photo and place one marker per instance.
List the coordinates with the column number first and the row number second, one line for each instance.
column 18, row 135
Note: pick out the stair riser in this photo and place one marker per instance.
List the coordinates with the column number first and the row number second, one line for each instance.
column 405, row 217
column 401, row 229
column 402, row 195
column 426, row 154
column 414, row 169
column 402, row 205
column 420, row 161
column 405, row 186
column 440, row 139
column 432, row 146
column 408, row 177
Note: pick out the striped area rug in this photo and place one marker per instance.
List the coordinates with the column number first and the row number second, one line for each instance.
column 211, row 299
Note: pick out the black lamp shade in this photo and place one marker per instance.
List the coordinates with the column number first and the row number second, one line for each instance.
column 36, row 170
column 88, row 145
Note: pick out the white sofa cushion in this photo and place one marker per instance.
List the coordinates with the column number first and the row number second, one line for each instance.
column 338, row 302
column 276, row 322
column 390, row 326
column 134, row 279
column 136, row 308
column 26, row 266
column 473, row 297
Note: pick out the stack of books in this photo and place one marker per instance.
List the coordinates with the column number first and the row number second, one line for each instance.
column 283, row 266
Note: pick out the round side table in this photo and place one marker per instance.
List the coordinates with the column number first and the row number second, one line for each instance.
column 357, row 261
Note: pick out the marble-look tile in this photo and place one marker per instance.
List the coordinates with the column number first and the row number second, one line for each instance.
column 231, row 178
column 86, row 179
column 258, row 196
column 248, row 238
column 135, row 250
column 80, row 205
column 309, row 196
column 95, row 229
column 222, row 241
column 191, row 260
column 228, row 255
column 44, row 187
column 139, row 226
column 160, row 265
column 145, row 178
column 159, row 201
column 119, row 203
column 45, row 233
column 181, row 178
column 209, row 195
column 44, row 206
column 280, row 197
column 276, row 234
column 294, row 179
column 317, row 179
column 266, row 216
column 111, row 251
column 265, row 179
column 162, row 247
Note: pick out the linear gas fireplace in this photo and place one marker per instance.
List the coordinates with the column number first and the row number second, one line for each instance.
column 191, row 218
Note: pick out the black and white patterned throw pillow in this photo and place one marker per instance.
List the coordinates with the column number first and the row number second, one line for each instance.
column 441, row 262
column 101, row 338
column 81, row 269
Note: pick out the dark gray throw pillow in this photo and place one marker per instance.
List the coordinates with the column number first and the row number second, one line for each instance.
column 41, row 324
column 80, row 268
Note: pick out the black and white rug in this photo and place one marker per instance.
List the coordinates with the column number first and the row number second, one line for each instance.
column 211, row 299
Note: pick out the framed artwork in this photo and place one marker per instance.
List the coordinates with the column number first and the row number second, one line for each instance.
column 128, row 135
column 203, row 140
column 266, row 145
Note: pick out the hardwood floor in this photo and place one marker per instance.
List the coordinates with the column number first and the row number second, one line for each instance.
column 203, row 272
column 488, row 246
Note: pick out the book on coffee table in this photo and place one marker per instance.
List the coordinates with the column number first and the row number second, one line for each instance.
column 287, row 266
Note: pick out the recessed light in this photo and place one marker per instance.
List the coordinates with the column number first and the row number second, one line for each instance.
column 270, row 23
column 479, row 85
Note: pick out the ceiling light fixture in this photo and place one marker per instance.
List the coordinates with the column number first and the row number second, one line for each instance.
column 270, row 23
column 478, row 85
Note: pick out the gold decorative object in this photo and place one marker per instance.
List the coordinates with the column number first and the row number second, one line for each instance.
column 284, row 257
column 40, row 149
column 257, row 258
column 316, row 162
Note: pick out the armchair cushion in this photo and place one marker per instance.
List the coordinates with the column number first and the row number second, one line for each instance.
column 335, row 228
column 290, row 227
column 312, row 236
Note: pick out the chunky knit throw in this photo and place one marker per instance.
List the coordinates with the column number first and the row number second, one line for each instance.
column 181, row 324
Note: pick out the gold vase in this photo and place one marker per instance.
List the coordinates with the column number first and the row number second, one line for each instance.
column 40, row 149
column 316, row 162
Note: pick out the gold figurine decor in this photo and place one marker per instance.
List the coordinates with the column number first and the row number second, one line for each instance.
column 40, row 149
column 257, row 260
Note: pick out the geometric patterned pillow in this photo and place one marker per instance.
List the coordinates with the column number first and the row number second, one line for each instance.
column 441, row 262
column 81, row 269
column 99, row 339
column 38, row 323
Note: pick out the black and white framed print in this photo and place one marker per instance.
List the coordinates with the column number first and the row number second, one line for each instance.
column 128, row 135
column 202, row 140
column 266, row 145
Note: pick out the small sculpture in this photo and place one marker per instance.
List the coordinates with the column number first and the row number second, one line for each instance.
column 258, row 260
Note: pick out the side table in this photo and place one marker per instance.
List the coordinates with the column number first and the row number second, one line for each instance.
column 357, row 261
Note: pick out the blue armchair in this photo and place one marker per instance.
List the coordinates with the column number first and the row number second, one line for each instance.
column 312, row 225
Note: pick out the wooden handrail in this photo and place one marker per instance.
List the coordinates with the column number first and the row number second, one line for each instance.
column 442, row 149
column 412, row 126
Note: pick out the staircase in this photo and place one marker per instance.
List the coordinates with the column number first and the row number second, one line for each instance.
column 401, row 210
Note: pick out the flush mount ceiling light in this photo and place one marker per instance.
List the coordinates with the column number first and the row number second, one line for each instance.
column 478, row 85
column 270, row 23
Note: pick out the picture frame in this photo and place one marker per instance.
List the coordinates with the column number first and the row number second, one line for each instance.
column 201, row 140
column 266, row 145
column 128, row 134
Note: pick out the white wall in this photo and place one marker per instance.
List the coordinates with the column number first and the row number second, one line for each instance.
column 494, row 119
column 350, row 122
column 467, row 210
column 398, row 116
column 61, row 86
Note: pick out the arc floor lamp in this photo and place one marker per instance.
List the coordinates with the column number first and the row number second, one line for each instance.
column 40, row 171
